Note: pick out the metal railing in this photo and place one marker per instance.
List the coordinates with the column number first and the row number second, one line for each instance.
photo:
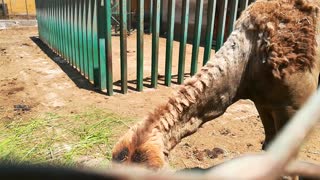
column 80, row 32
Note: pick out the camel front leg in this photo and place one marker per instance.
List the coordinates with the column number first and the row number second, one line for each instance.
column 268, row 125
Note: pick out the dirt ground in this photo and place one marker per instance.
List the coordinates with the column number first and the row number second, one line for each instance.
column 31, row 74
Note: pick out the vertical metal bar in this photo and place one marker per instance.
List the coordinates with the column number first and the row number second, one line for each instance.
column 89, row 40
column 221, row 26
column 66, row 31
column 140, row 45
column 197, row 37
column 26, row 3
column 72, row 23
column 56, row 22
column 161, row 18
column 73, row 32
column 183, row 40
column 4, row 9
column 85, row 40
column 129, row 15
column 102, row 31
column 70, row 33
column 11, row 7
column 209, row 30
column 67, row 24
column 58, row 27
column 243, row 4
column 95, row 40
column 233, row 15
column 123, row 45
column 155, row 43
column 81, row 31
column 37, row 14
column 53, row 34
column 65, row 51
column 151, row 15
column 76, row 34
column 48, row 24
column 109, row 48
column 170, row 35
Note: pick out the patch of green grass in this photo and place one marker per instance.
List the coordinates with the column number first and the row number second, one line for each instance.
column 62, row 139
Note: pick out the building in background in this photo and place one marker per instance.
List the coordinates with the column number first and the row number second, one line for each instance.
column 18, row 8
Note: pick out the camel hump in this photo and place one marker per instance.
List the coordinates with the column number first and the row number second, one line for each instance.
column 289, row 33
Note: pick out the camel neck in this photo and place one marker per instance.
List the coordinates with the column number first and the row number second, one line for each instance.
column 205, row 96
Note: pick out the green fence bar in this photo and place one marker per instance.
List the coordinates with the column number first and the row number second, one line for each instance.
column 129, row 16
column 76, row 34
column 81, row 30
column 155, row 43
column 71, row 33
column 161, row 18
column 72, row 22
column 66, row 17
column 221, row 26
column 48, row 25
column 183, row 39
column 233, row 15
column 151, row 16
column 140, row 45
column 53, row 27
column 67, row 32
column 243, row 4
column 169, row 43
column 123, row 45
column 102, row 33
column 197, row 37
column 85, row 39
column 95, row 41
column 209, row 30
column 61, row 36
column 108, row 47
column 89, row 40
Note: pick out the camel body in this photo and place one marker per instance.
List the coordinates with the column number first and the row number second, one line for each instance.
column 272, row 58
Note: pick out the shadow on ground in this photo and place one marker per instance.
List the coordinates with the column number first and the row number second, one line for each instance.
column 84, row 83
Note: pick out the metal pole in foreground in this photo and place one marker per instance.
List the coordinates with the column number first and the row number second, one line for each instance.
column 123, row 45
column 26, row 3
column 287, row 144
column 3, row 8
column 140, row 45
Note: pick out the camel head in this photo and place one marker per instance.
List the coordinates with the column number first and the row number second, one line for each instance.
column 138, row 147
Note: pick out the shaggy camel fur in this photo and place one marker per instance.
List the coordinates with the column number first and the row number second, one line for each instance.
column 272, row 58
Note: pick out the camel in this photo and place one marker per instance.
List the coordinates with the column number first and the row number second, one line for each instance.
column 272, row 58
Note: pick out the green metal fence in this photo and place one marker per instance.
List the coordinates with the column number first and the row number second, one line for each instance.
column 80, row 32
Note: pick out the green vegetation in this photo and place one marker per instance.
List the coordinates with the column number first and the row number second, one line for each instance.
column 66, row 140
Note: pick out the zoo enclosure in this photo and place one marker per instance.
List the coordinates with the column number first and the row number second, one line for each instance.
column 80, row 32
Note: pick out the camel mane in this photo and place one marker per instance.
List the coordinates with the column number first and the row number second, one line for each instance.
column 289, row 28
column 166, row 116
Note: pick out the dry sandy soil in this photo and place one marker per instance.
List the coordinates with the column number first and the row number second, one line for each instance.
column 31, row 74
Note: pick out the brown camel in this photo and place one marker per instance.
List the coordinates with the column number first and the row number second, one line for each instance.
column 271, row 58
